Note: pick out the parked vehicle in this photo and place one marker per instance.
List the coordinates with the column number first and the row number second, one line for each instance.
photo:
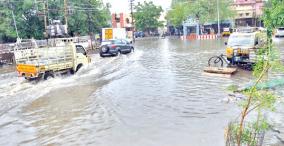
column 114, row 47
column 226, row 32
column 243, row 46
column 61, row 56
column 139, row 34
column 279, row 32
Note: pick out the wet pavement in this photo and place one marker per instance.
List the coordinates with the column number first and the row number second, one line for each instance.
column 156, row 96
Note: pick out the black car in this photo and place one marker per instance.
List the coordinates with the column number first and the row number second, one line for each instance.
column 139, row 34
column 115, row 47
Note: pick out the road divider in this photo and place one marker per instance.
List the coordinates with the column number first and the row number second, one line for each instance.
column 199, row 37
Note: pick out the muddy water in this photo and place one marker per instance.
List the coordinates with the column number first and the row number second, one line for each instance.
column 156, row 96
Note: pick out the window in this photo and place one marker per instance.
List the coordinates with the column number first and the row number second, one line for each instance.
column 124, row 42
column 80, row 49
column 127, row 20
column 117, row 42
column 247, row 14
column 241, row 40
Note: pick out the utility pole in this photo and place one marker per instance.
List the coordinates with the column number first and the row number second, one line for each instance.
column 66, row 13
column 218, row 11
column 15, row 24
column 132, row 19
column 90, row 27
column 14, row 20
column 45, row 8
column 35, row 5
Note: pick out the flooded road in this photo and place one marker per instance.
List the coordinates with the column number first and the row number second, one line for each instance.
column 156, row 96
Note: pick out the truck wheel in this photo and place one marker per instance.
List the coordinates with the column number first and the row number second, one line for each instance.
column 48, row 75
column 78, row 67
column 28, row 79
column 71, row 71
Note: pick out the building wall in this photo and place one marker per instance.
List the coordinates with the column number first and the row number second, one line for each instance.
column 248, row 12
column 121, row 20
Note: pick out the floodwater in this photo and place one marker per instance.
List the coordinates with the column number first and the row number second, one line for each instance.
column 156, row 96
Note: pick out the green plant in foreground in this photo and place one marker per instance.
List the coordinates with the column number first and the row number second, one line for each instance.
column 249, row 131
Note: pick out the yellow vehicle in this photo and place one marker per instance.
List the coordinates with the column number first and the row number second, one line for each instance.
column 226, row 32
column 34, row 61
column 243, row 45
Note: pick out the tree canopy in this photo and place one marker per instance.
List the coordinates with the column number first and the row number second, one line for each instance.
column 147, row 16
column 203, row 10
column 83, row 17
column 273, row 16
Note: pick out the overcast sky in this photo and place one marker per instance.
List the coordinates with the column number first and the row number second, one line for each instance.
column 123, row 5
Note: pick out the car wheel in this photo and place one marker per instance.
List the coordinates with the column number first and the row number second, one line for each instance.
column 104, row 49
column 118, row 51
column 102, row 55
column 132, row 49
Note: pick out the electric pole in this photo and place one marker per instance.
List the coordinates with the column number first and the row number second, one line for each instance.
column 15, row 25
column 45, row 8
column 90, row 26
column 218, row 11
column 14, row 19
column 66, row 14
column 132, row 19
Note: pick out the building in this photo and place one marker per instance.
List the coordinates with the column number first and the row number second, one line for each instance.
column 123, row 20
column 248, row 12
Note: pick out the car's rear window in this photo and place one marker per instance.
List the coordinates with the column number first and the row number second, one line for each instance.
column 116, row 42
column 281, row 28
column 106, row 41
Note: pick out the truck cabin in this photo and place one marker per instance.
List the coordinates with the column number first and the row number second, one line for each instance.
column 81, row 49
column 242, row 40
column 243, row 45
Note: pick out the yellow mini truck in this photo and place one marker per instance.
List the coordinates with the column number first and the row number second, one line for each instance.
column 61, row 55
column 243, row 46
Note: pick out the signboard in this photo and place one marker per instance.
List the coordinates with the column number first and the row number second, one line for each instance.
column 108, row 34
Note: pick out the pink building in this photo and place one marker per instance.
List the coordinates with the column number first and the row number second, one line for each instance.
column 248, row 12
column 121, row 20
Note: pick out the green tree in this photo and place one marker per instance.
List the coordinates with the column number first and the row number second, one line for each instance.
column 147, row 15
column 7, row 30
column 248, row 128
column 177, row 14
column 203, row 10
column 88, row 16
column 28, row 22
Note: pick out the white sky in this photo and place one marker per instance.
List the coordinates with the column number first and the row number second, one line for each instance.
column 123, row 5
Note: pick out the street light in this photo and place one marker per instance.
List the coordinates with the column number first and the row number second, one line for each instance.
column 132, row 19
column 218, row 13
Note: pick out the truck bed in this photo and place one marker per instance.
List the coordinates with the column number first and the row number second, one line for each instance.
column 44, row 59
